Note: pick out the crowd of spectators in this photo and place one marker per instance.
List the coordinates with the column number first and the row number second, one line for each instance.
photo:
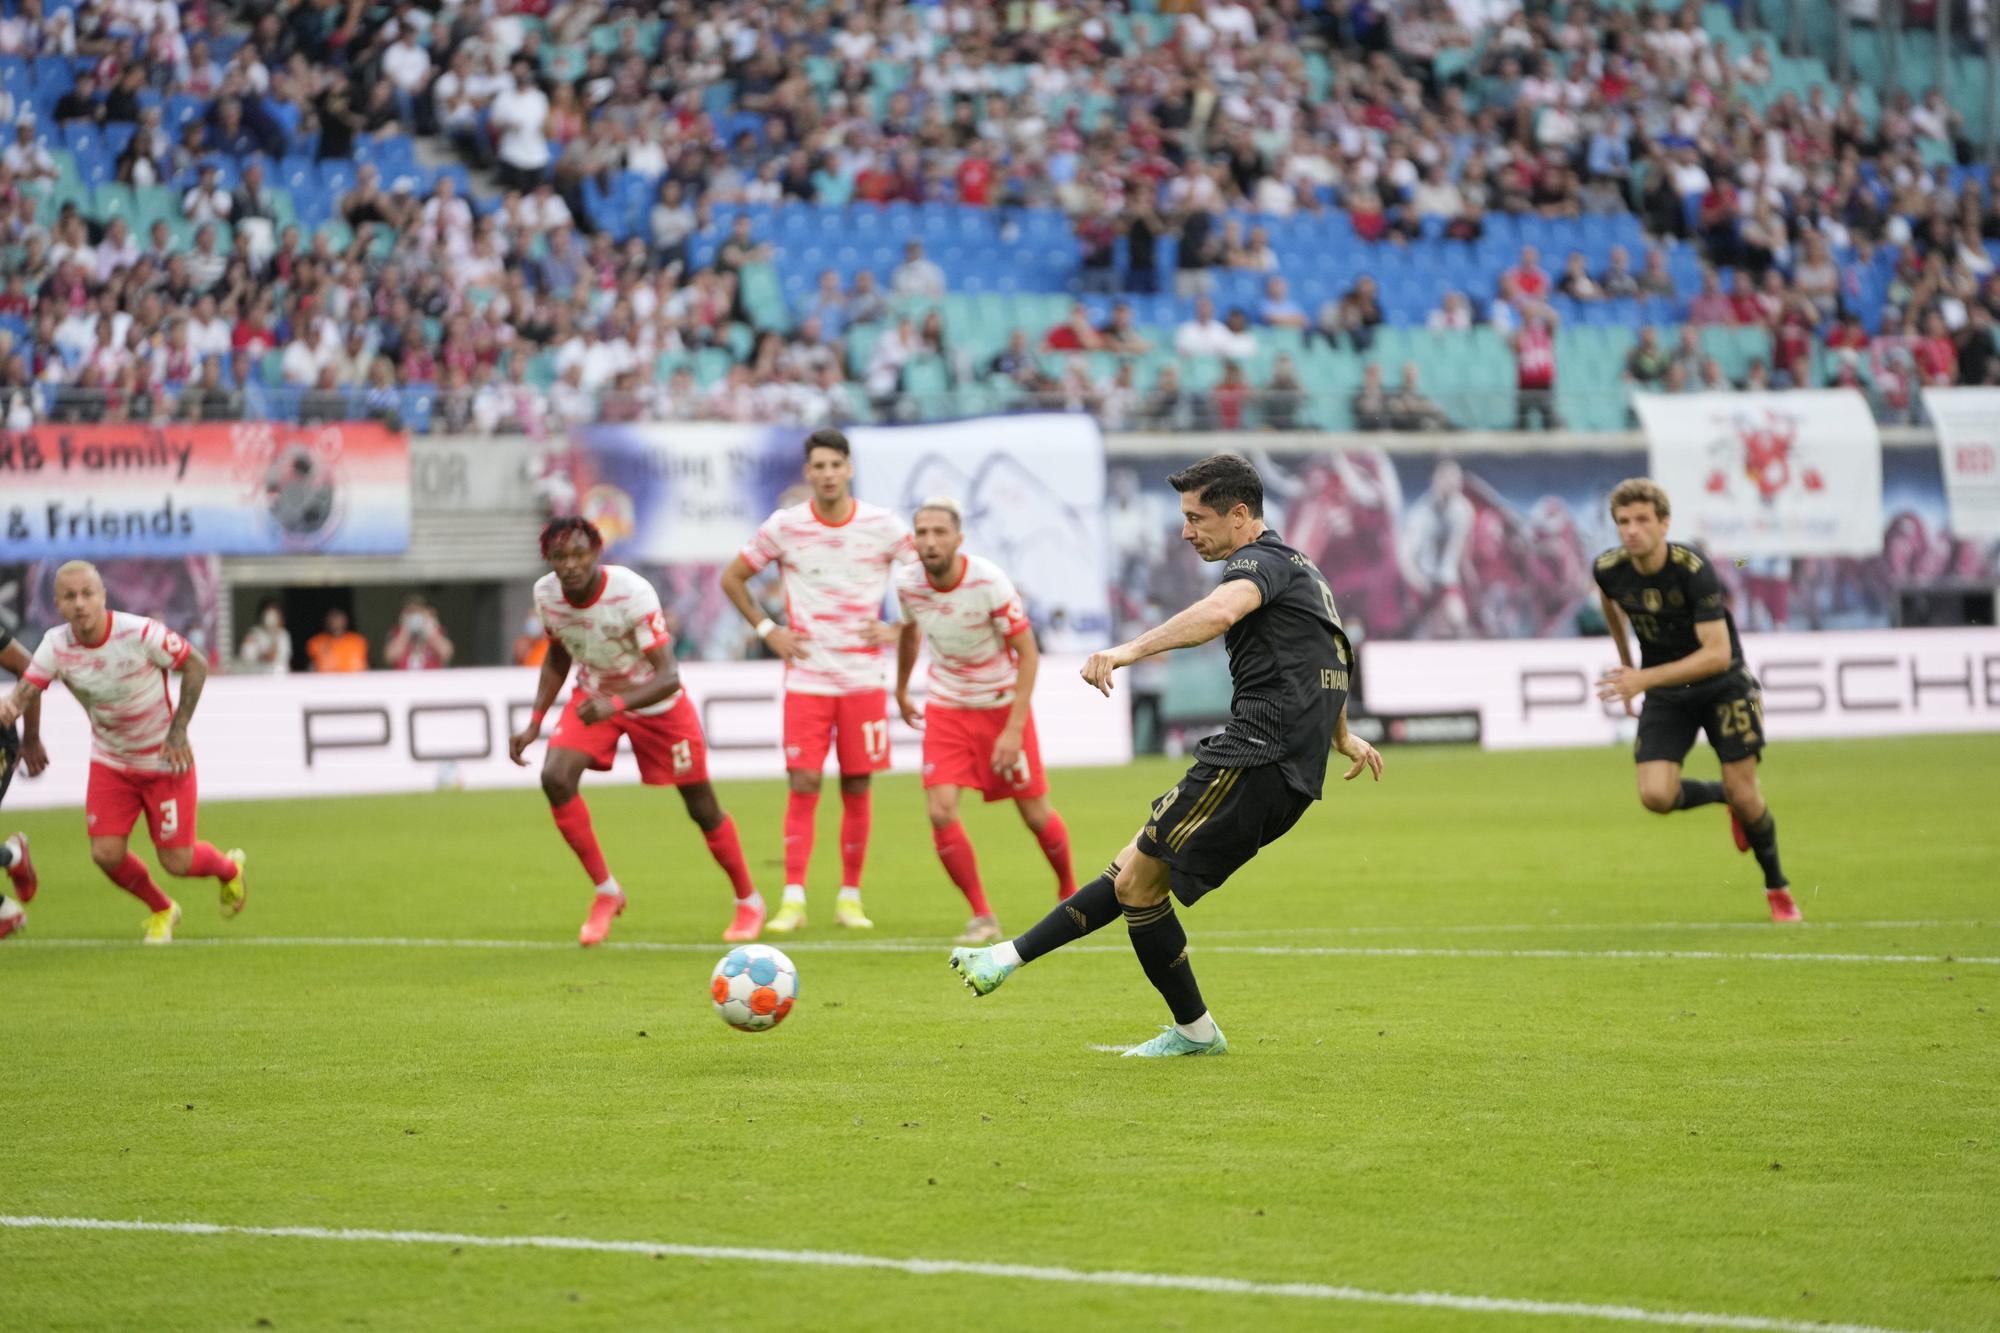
column 1855, row 241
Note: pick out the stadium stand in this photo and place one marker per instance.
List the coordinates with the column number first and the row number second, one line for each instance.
column 523, row 215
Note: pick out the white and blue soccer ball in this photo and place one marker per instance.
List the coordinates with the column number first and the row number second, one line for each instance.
column 753, row 987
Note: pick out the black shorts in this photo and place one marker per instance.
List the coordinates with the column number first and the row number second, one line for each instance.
column 10, row 755
column 1215, row 819
column 1730, row 709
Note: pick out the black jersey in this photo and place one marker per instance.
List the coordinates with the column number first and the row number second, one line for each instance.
column 1288, row 668
column 1665, row 607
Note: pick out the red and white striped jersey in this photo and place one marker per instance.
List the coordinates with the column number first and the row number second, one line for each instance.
column 835, row 578
column 121, row 683
column 609, row 636
column 967, row 627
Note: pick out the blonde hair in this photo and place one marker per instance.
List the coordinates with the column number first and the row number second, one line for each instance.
column 1639, row 491
column 944, row 504
column 79, row 567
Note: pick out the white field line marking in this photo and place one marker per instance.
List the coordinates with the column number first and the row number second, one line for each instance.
column 942, row 950
column 1219, row 1286
column 1536, row 927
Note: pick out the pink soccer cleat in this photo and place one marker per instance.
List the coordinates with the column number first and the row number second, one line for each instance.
column 1782, row 907
column 22, row 872
column 1736, row 832
column 602, row 910
column 749, row 922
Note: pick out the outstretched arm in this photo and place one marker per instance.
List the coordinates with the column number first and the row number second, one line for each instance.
column 194, row 675
column 1206, row 619
column 555, row 671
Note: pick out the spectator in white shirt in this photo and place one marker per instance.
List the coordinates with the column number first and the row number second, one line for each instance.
column 520, row 116
column 916, row 275
column 207, row 201
column 407, row 67
column 26, row 158
column 1205, row 335
column 267, row 648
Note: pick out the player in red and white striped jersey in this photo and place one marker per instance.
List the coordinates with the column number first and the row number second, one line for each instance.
column 116, row 665
column 835, row 554
column 978, row 729
column 25, row 751
column 607, row 622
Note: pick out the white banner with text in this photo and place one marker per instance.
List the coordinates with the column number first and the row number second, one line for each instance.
column 378, row 732
column 1968, row 431
column 1542, row 692
column 1754, row 474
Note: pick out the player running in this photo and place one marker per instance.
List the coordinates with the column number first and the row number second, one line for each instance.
column 978, row 730
column 22, row 747
column 116, row 664
column 1289, row 662
column 1692, row 675
column 835, row 553
column 607, row 621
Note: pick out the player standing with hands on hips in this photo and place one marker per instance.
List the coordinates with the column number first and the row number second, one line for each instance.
column 606, row 621
column 1289, row 666
column 834, row 553
column 978, row 729
column 18, row 747
column 116, row 665
column 1692, row 675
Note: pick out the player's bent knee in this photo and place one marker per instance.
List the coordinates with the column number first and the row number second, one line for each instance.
column 854, row 784
column 702, row 807
column 804, row 781
column 1658, row 801
column 176, row 861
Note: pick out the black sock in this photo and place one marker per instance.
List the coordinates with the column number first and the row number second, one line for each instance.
column 1698, row 793
column 1092, row 907
column 1763, row 837
column 1161, row 944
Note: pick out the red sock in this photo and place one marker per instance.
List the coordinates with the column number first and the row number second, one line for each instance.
column 573, row 822
column 854, row 821
column 955, row 850
column 131, row 876
column 1054, row 837
column 210, row 863
column 800, row 811
column 727, row 850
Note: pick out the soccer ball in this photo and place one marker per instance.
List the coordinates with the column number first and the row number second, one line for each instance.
column 753, row 987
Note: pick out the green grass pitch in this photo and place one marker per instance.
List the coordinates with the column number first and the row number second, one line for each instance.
column 1496, row 1032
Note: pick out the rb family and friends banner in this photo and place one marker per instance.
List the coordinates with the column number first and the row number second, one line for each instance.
column 250, row 488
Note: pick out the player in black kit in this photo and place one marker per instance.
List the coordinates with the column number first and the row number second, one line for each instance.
column 25, row 750
column 1289, row 663
column 1692, row 674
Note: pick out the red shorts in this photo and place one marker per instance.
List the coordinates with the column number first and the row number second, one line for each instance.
column 114, row 797
column 861, row 722
column 958, row 752
column 669, row 746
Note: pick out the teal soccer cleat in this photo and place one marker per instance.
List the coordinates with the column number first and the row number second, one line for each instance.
column 977, row 968
column 1171, row 1042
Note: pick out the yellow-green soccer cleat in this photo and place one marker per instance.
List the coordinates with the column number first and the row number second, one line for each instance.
column 160, row 925
column 791, row 917
column 234, row 891
column 847, row 912
column 980, row 970
column 1171, row 1042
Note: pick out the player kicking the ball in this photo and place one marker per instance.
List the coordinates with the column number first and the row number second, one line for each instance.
column 606, row 620
column 835, row 553
column 1289, row 662
column 978, row 730
column 21, row 747
column 116, row 665
column 1692, row 675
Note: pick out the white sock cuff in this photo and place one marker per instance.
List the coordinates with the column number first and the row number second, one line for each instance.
column 1005, row 954
column 795, row 893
